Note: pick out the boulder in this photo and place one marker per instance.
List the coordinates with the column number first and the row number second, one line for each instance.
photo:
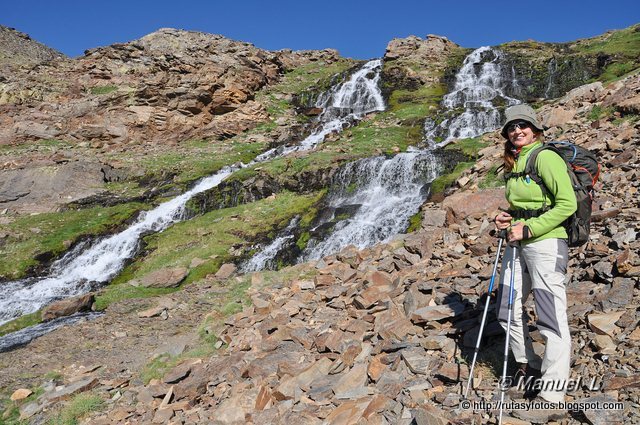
column 482, row 203
column 225, row 271
column 169, row 277
column 68, row 307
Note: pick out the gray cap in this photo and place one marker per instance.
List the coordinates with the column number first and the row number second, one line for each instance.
column 519, row 112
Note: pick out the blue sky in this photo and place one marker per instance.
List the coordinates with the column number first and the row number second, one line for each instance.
column 358, row 29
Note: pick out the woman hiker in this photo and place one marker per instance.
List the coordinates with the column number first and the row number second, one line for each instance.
column 541, row 257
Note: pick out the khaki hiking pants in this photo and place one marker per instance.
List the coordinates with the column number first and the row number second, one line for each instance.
column 540, row 267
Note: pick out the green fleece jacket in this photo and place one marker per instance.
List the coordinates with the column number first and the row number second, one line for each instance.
column 524, row 193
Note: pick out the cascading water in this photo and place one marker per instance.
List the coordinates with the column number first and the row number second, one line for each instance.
column 389, row 192
column 83, row 269
column 265, row 258
column 481, row 81
column 341, row 106
column 552, row 68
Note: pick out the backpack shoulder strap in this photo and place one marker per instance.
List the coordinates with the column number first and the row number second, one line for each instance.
column 531, row 170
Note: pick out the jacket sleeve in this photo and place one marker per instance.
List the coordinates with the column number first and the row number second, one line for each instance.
column 553, row 171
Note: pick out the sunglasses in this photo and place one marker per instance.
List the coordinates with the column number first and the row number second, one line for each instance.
column 520, row 125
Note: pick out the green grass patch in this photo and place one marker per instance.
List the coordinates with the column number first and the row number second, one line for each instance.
column 81, row 405
column 491, row 179
column 20, row 323
column 469, row 147
column 317, row 74
column 446, row 180
column 157, row 367
column 616, row 71
column 407, row 104
column 11, row 415
column 625, row 42
column 201, row 159
column 598, row 112
column 125, row 292
column 46, row 145
column 51, row 233
column 99, row 90
column 415, row 222
column 209, row 237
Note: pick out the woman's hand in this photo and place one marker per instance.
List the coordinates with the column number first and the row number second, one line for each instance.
column 515, row 232
column 503, row 220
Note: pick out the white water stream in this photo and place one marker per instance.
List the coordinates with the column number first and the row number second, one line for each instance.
column 389, row 192
column 265, row 258
column 479, row 83
column 86, row 268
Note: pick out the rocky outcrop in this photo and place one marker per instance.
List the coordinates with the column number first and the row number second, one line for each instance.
column 549, row 70
column 412, row 62
column 20, row 52
column 170, row 85
column 45, row 187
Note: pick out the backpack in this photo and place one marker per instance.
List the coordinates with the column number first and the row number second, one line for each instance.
column 583, row 170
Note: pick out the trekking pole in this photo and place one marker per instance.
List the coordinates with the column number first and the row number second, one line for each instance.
column 506, row 344
column 502, row 235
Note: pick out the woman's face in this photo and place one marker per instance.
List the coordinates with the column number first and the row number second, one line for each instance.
column 520, row 134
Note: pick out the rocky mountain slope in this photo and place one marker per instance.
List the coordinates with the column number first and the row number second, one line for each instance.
column 19, row 52
column 380, row 335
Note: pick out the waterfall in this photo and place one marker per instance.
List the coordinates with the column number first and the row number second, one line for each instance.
column 387, row 193
column 265, row 258
column 390, row 191
column 87, row 267
column 552, row 68
column 342, row 105
column 479, row 84
column 84, row 268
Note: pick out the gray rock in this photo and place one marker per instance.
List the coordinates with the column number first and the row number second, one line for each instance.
column 602, row 417
column 417, row 360
column 70, row 390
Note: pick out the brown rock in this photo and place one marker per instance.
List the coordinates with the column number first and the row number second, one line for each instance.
column 483, row 202
column 417, row 360
column 618, row 382
column 452, row 372
column 165, row 278
column 264, row 399
column 557, row 117
column 430, row 415
column 604, row 324
column 604, row 344
column 20, row 394
column 151, row 312
column 348, row 413
column 376, row 367
column 71, row 389
column 324, row 280
column 68, row 307
column 225, row 271
column 602, row 416
column 317, row 370
column 177, row 374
